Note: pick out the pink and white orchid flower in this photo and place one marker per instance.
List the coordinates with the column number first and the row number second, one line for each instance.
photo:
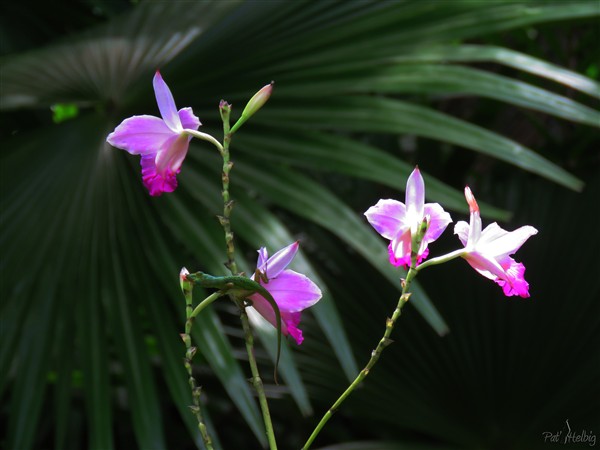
column 292, row 291
column 162, row 143
column 399, row 222
column 488, row 251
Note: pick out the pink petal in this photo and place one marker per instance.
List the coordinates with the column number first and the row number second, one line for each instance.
column 188, row 119
column 291, row 321
column 263, row 256
column 140, row 135
column 399, row 250
column 415, row 195
column 514, row 281
column 166, row 104
column 171, row 157
column 438, row 221
column 279, row 261
column 388, row 218
column 293, row 291
column 156, row 182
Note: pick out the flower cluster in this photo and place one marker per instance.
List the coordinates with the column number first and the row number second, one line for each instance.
column 487, row 251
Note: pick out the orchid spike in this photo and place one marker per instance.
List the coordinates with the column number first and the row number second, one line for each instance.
column 162, row 143
column 292, row 291
column 400, row 222
column 488, row 251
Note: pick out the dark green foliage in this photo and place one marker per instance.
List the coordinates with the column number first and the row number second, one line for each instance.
column 91, row 309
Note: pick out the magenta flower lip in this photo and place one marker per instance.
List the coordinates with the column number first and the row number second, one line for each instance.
column 293, row 292
column 162, row 143
column 488, row 251
column 398, row 222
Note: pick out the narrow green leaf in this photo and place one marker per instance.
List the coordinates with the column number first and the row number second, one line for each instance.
column 444, row 80
column 34, row 352
column 335, row 153
column 382, row 115
column 511, row 58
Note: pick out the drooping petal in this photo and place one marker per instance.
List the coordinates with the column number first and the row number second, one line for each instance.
column 171, row 157
column 156, row 182
column 140, row 135
column 291, row 321
column 514, row 282
column 388, row 218
column 279, row 261
column 166, row 104
column 415, row 198
column 438, row 221
column 188, row 119
column 498, row 242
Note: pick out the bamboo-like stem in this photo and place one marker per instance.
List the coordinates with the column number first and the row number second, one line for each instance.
column 225, row 110
column 190, row 351
column 256, row 380
column 375, row 354
column 384, row 341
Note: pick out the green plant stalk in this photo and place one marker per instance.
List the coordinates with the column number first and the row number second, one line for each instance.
column 225, row 110
column 383, row 342
column 189, row 355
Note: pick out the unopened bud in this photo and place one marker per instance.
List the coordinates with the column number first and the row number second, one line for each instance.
column 255, row 103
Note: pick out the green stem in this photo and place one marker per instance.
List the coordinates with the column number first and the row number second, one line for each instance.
column 256, row 380
column 203, row 304
column 385, row 340
column 442, row 259
column 225, row 110
column 383, row 343
column 189, row 355
column 205, row 137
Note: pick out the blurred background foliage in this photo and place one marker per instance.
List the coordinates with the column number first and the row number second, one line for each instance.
column 501, row 95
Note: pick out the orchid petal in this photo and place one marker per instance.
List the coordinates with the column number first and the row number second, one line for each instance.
column 415, row 196
column 438, row 221
column 166, row 104
column 279, row 261
column 188, row 119
column 140, row 135
column 387, row 217
column 293, row 291
column 263, row 256
column 515, row 283
column 496, row 241
column 399, row 250
column 171, row 156
column 291, row 321
column 462, row 230
column 155, row 181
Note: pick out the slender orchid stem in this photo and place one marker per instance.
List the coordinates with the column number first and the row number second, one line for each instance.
column 205, row 137
column 189, row 355
column 225, row 110
column 383, row 342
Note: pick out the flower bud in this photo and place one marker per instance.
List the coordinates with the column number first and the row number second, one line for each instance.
column 255, row 103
